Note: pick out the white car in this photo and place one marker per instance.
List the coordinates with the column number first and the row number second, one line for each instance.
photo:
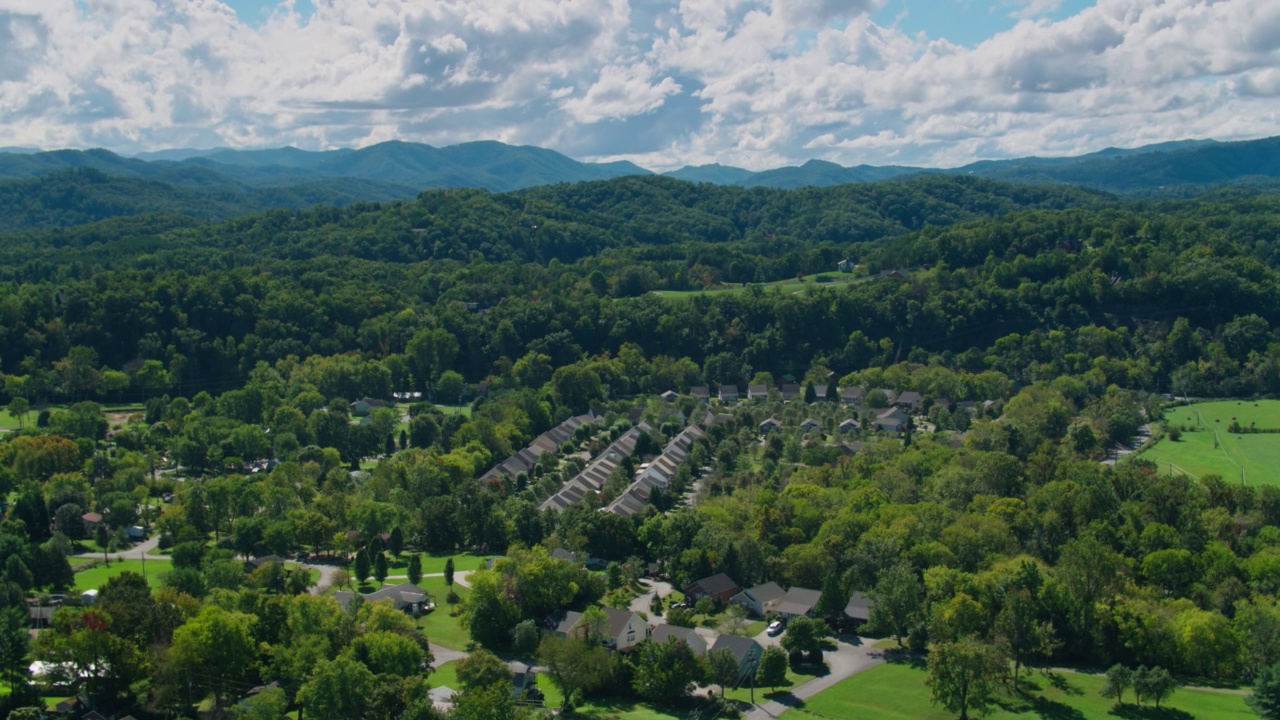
column 775, row 628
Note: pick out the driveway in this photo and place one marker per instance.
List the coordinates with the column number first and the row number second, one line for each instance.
column 846, row 660
column 641, row 603
column 134, row 553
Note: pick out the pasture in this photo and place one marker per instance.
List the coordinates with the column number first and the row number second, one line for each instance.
column 1205, row 447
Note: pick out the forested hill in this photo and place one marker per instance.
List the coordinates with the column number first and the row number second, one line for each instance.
column 216, row 185
column 75, row 197
column 563, row 222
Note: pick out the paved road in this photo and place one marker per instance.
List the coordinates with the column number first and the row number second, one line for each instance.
column 1122, row 450
column 846, row 660
column 134, row 553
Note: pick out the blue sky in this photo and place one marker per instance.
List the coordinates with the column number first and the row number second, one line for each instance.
column 752, row 83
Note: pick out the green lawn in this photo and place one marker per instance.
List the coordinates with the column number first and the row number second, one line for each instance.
column 898, row 692
column 743, row 694
column 434, row 564
column 1257, row 456
column 94, row 577
column 9, row 422
column 439, row 626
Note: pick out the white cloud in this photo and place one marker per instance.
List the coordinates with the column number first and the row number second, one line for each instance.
column 665, row 82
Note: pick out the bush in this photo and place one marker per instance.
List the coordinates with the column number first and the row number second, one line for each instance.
column 1175, row 434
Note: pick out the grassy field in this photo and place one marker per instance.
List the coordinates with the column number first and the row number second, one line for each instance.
column 1257, row 457
column 439, row 626
column 9, row 422
column 789, row 285
column 93, row 578
column 898, row 692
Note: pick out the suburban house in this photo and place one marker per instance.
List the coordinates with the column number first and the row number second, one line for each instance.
column 944, row 403
column 891, row 420
column 853, row 395
column 563, row 622
column 548, row 442
column 790, row 390
column 846, row 265
column 670, row 396
column 523, row 678
column 625, row 630
column 852, row 448
column 364, row 406
column 663, row 633
column 910, row 401
column 91, row 521
column 769, row 425
column 701, row 392
column 719, row 587
column 850, row 425
column 761, row 599
column 728, row 393
column 562, row 554
column 594, row 475
column 405, row 596
column 758, row 391
column 820, row 392
column 859, row 608
column 810, row 424
column 798, row 601
column 745, row 650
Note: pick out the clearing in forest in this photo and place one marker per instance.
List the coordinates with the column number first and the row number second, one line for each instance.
column 1206, row 447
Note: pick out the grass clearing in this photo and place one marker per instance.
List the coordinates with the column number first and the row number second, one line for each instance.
column 896, row 691
column 440, row 626
column 1255, row 457
column 789, row 285
column 95, row 577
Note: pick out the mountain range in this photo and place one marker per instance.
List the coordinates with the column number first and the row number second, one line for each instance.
column 43, row 189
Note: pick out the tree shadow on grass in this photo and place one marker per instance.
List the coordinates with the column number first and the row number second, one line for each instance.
column 1133, row 712
column 1059, row 682
column 903, row 656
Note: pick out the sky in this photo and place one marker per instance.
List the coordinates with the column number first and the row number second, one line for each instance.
column 663, row 83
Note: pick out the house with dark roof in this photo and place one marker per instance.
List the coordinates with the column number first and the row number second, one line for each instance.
column 810, row 425
column 846, row 265
column 728, row 393
column 853, row 395
column 670, row 396
column 745, row 650
column 761, row 599
column 718, row 587
column 701, row 392
column 798, row 601
column 757, row 391
column 910, row 401
column 769, row 425
column 790, row 390
column 891, row 420
column 663, row 633
column 850, row 425
column 405, row 596
column 563, row 622
column 859, row 608
column 820, row 392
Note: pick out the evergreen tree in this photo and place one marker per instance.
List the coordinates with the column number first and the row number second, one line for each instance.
column 448, row 572
column 415, row 568
column 380, row 568
column 396, row 542
column 1265, row 699
column 362, row 566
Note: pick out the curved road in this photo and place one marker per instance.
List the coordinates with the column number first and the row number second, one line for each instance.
column 844, row 661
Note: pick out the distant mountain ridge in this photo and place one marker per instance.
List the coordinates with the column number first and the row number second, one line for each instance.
column 64, row 187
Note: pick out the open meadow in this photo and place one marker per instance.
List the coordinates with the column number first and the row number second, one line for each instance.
column 1205, row 447
column 896, row 691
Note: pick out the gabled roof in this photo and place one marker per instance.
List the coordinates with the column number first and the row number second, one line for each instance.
column 859, row 607
column 767, row 592
column 910, row 397
column 728, row 391
column 91, row 517
column 789, row 390
column 669, row 395
column 757, row 390
column 853, row 393
column 736, row 644
column 850, row 424
column 700, row 391
column 564, row 621
column 799, row 601
column 713, row 585
column 618, row 620
column 810, row 422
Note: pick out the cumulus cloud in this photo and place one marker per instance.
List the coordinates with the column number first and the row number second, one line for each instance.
column 663, row 82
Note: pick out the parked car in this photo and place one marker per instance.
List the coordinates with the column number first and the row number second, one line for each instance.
column 775, row 628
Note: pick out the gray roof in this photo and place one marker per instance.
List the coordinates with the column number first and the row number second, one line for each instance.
column 618, row 619
column 564, row 621
column 799, row 601
column 713, row 585
column 859, row 607
column 738, row 645
column 767, row 592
